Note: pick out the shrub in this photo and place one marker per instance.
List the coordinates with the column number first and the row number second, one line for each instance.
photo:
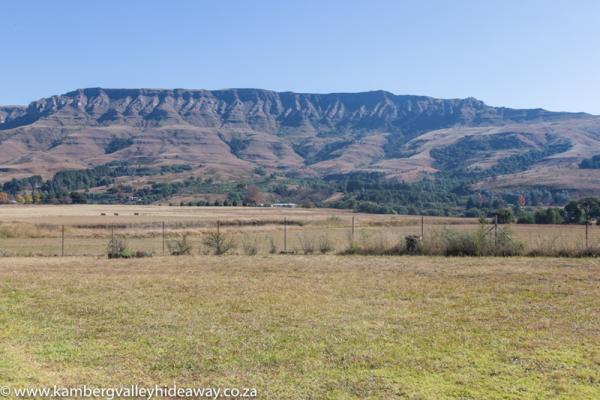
column 325, row 245
column 462, row 243
column 272, row 246
column 505, row 246
column 505, row 215
column 472, row 213
column 249, row 246
column 307, row 244
column 526, row 218
column 117, row 248
column 548, row 216
column 375, row 245
column 180, row 247
column 219, row 243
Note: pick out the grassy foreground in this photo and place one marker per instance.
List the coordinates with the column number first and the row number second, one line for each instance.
column 307, row 326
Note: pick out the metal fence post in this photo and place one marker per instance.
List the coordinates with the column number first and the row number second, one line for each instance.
column 586, row 234
column 422, row 226
column 62, row 244
column 352, row 236
column 495, row 230
column 163, row 238
column 285, row 235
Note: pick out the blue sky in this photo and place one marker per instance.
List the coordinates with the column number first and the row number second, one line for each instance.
column 526, row 53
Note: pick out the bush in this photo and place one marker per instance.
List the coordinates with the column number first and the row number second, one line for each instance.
column 142, row 254
column 448, row 243
column 505, row 215
column 526, row 218
column 180, row 247
column 249, row 246
column 548, row 216
column 272, row 246
column 462, row 243
column 219, row 243
column 479, row 243
column 373, row 208
column 117, row 248
column 325, row 245
column 472, row 213
column 307, row 244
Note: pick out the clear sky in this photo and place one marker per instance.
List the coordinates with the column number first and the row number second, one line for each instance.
column 526, row 53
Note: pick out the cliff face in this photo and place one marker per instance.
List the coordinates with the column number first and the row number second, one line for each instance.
column 231, row 132
column 265, row 110
column 9, row 113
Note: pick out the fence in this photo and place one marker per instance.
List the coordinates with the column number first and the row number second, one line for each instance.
column 266, row 236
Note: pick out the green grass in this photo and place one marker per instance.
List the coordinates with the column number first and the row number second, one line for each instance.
column 307, row 326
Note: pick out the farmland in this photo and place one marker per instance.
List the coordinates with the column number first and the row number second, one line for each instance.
column 292, row 323
column 307, row 326
column 37, row 230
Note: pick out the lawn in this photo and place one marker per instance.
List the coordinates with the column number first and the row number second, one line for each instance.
column 307, row 327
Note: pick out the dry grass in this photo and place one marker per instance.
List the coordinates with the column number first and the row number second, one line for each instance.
column 36, row 230
column 307, row 326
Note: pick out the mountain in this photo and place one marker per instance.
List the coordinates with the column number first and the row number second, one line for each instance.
column 230, row 133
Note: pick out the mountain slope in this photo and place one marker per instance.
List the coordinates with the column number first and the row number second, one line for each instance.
column 229, row 133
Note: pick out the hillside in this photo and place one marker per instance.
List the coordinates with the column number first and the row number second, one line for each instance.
column 230, row 133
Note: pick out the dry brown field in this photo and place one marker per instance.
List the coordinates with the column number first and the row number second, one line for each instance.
column 37, row 230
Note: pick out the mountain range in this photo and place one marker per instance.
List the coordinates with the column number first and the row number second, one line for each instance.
column 230, row 134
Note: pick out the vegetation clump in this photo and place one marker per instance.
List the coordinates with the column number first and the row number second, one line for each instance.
column 449, row 243
column 117, row 247
column 219, row 243
column 180, row 247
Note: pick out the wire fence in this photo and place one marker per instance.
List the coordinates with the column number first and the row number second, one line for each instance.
column 269, row 236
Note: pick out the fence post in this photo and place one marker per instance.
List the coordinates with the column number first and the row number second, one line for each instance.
column 586, row 233
column 495, row 230
column 112, row 240
column 352, row 236
column 422, row 226
column 163, row 238
column 285, row 235
column 62, row 244
column 218, row 227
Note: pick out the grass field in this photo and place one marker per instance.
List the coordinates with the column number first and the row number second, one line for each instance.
column 307, row 327
column 37, row 230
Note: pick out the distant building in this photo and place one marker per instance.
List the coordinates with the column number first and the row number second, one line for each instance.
column 284, row 205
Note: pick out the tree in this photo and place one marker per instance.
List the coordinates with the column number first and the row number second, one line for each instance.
column 573, row 214
column 526, row 218
column 27, row 199
column 548, row 216
column 254, row 195
column 590, row 208
column 78, row 198
column 504, row 215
